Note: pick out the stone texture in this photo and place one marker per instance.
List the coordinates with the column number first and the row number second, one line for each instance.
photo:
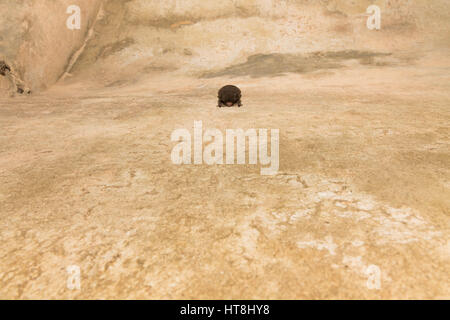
column 359, row 208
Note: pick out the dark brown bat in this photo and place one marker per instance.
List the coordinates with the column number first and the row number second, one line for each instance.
column 229, row 96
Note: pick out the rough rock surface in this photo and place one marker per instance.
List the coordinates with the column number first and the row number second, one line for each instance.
column 359, row 208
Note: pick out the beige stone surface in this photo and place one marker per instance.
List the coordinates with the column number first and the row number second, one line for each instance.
column 358, row 210
column 34, row 38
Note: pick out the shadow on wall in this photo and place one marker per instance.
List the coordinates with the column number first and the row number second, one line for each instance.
column 272, row 65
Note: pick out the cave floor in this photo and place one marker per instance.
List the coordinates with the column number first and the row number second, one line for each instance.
column 359, row 208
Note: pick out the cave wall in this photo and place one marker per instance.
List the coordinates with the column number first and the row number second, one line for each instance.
column 194, row 36
column 34, row 38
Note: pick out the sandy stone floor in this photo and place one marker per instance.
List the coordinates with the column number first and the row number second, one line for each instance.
column 359, row 209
